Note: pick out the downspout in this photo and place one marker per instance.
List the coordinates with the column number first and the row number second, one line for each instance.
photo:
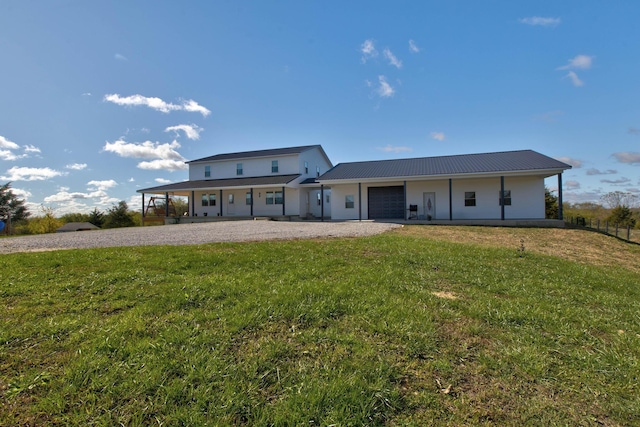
column 450, row 199
column 560, row 213
column 502, row 197
column 359, row 201
column 322, row 202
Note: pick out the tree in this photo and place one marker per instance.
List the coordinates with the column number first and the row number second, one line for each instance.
column 96, row 218
column 622, row 216
column 74, row 217
column 615, row 199
column 550, row 204
column 10, row 205
column 47, row 223
column 119, row 216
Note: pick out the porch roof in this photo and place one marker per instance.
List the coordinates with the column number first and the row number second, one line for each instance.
column 209, row 184
column 509, row 162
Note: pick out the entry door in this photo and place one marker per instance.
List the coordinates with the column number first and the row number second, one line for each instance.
column 429, row 200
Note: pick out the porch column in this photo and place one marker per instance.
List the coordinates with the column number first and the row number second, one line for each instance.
column 560, row 213
column 321, row 202
column 143, row 212
column 359, row 201
column 450, row 199
column 404, row 188
column 251, row 191
column 166, row 205
column 502, row 197
column 193, row 203
column 283, row 205
column 221, row 202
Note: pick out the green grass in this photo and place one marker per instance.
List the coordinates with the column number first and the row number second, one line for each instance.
column 341, row 331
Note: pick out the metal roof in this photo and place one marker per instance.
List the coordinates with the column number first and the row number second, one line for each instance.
column 484, row 163
column 222, row 183
column 258, row 153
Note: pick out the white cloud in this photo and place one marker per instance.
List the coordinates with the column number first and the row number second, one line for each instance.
column 156, row 103
column 575, row 79
column 440, row 136
column 5, row 143
column 541, row 21
column 594, row 171
column 21, row 194
column 580, row 62
column 393, row 149
column 101, row 185
column 76, row 166
column 619, row 181
column 627, row 157
column 144, row 150
column 31, row 149
column 572, row 185
column 575, row 163
column 413, row 47
column 30, row 174
column 191, row 131
column 7, row 155
column 384, row 90
column 120, row 57
column 162, row 181
column 368, row 50
column 163, row 164
column 389, row 56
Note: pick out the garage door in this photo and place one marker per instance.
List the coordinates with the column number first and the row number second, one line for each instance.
column 386, row 202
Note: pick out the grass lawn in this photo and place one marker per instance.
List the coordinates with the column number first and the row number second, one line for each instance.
column 422, row 326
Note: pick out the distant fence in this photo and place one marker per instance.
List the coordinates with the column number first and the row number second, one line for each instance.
column 622, row 232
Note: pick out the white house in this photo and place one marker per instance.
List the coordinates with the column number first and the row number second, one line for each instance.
column 301, row 182
column 488, row 186
column 273, row 183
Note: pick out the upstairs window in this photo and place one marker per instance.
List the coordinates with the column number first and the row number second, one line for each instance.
column 207, row 171
column 470, row 198
column 507, row 198
column 274, row 166
column 306, row 168
column 317, row 171
column 239, row 169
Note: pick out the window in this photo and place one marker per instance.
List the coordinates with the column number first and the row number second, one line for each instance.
column 248, row 198
column 507, row 198
column 319, row 199
column 328, row 198
column 231, row 199
column 212, row 199
column 239, row 169
column 317, row 171
column 205, row 200
column 207, row 171
column 274, row 198
column 274, row 166
column 306, row 167
column 349, row 202
column 470, row 198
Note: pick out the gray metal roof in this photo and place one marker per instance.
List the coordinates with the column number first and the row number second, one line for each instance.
column 507, row 161
column 258, row 153
column 222, row 183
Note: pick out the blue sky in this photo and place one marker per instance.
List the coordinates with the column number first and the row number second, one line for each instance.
column 100, row 99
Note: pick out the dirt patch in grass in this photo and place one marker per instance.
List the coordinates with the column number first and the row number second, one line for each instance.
column 574, row 245
column 445, row 295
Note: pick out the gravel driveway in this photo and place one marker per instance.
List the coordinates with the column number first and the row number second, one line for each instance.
column 188, row 234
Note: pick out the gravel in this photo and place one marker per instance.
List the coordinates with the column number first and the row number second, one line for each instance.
column 189, row 234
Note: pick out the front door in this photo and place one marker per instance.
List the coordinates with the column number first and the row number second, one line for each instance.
column 429, row 200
